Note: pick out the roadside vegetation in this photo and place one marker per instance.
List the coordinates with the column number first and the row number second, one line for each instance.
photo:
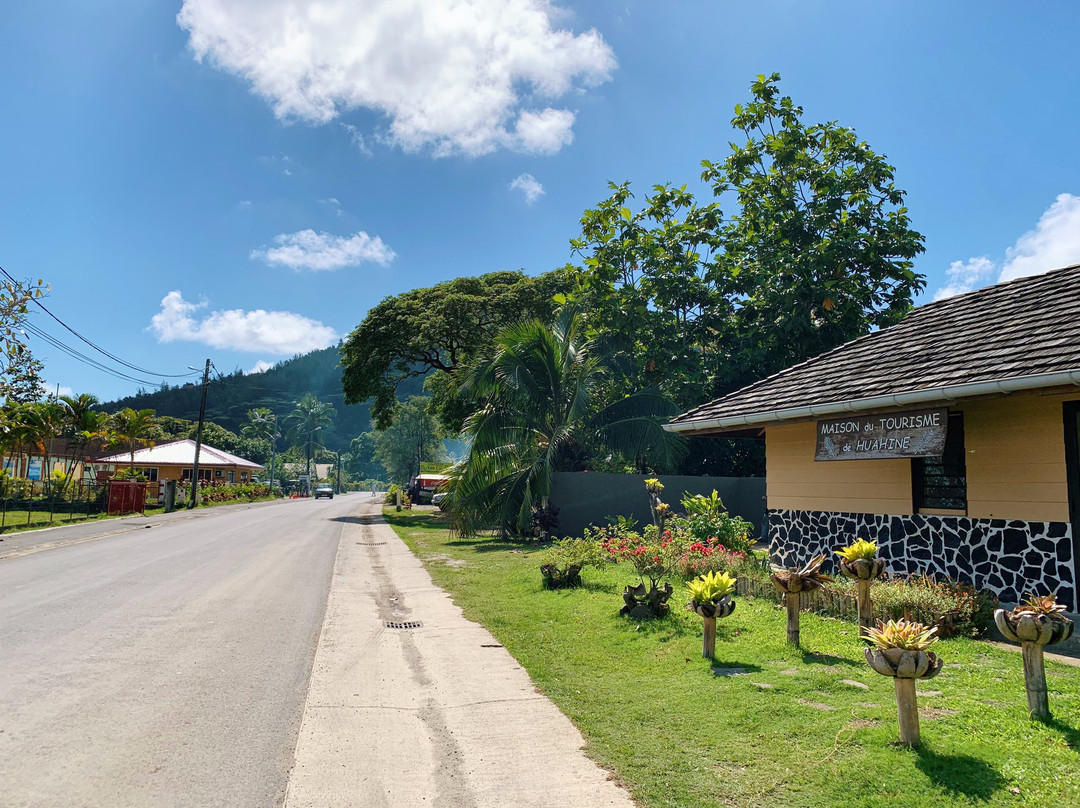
column 792, row 727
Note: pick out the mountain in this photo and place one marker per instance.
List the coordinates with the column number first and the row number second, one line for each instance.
column 229, row 397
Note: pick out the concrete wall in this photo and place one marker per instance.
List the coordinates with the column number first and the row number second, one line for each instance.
column 587, row 498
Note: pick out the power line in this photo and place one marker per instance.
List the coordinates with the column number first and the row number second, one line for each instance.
column 96, row 347
column 81, row 357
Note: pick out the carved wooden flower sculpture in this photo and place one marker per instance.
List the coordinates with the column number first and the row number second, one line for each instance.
column 1037, row 622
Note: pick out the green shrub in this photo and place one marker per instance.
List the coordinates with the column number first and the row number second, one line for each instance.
column 955, row 608
column 706, row 519
column 561, row 564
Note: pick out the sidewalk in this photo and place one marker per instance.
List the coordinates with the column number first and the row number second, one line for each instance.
column 439, row 714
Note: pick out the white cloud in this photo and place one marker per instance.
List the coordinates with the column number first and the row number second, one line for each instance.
column 528, row 185
column 963, row 276
column 260, row 367
column 356, row 137
column 307, row 249
column 275, row 332
column 457, row 77
column 1054, row 243
column 545, row 132
column 52, row 390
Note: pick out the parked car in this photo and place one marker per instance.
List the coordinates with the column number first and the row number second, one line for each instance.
column 324, row 490
column 439, row 500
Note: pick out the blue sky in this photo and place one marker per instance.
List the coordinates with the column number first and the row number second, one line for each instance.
column 232, row 179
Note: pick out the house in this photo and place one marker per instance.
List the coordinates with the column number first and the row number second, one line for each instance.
column 950, row 439
column 175, row 461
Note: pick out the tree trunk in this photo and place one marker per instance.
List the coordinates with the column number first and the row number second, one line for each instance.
column 1035, row 680
column 866, row 606
column 708, row 646
column 791, row 600
column 907, row 711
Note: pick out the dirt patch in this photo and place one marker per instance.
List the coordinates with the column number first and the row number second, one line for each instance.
column 863, row 723
column 934, row 713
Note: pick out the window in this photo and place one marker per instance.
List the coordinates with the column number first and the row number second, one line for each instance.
column 940, row 483
column 243, row 476
column 232, row 476
column 219, row 473
column 149, row 474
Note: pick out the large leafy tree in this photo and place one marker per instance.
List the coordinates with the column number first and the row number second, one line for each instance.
column 542, row 410
column 817, row 252
column 360, row 460
column 307, row 425
column 820, row 250
column 438, row 331
column 414, row 436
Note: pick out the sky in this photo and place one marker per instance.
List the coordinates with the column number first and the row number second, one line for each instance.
column 241, row 180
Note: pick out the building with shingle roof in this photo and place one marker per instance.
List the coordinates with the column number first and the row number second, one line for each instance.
column 949, row 438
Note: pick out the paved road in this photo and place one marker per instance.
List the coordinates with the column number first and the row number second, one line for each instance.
column 165, row 666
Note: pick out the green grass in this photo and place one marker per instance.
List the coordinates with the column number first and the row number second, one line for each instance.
column 675, row 734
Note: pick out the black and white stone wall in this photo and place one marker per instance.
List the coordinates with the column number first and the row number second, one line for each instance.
column 1011, row 558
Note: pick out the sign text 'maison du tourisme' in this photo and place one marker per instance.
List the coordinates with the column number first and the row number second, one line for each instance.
column 915, row 433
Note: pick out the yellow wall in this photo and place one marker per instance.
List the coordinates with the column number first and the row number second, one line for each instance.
column 1015, row 465
column 1016, row 457
column 795, row 481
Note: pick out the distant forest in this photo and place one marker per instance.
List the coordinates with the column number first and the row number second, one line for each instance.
column 229, row 397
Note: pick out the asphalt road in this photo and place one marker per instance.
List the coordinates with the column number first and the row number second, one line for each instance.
column 164, row 666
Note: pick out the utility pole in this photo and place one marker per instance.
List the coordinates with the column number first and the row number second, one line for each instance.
column 198, row 437
column 338, row 473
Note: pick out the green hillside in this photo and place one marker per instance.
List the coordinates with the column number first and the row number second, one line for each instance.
column 229, row 397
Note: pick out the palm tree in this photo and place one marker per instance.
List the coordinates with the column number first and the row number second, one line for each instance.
column 308, row 417
column 84, row 423
column 262, row 426
column 540, row 409
column 131, row 428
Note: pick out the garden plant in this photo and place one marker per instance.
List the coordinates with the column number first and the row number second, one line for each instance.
column 900, row 651
column 794, row 581
column 710, row 597
column 859, row 561
column 1035, row 623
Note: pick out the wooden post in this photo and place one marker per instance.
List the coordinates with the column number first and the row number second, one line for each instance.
column 866, row 607
column 708, row 646
column 791, row 600
column 1035, row 680
column 907, row 711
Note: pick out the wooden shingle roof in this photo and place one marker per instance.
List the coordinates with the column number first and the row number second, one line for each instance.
column 1028, row 327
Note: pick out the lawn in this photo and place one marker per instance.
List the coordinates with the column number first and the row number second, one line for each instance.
column 810, row 727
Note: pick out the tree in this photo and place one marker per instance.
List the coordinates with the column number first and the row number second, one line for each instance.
column 19, row 371
column 360, row 459
column 413, row 437
column 82, row 424
column 820, row 251
column 541, row 411
column 309, row 417
column 437, row 331
column 131, row 429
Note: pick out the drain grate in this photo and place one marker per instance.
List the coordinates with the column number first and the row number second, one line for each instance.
column 410, row 624
column 371, row 543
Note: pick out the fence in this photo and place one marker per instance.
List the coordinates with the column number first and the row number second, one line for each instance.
column 28, row 503
column 585, row 499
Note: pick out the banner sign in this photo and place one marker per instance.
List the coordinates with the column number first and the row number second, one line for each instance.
column 915, row 433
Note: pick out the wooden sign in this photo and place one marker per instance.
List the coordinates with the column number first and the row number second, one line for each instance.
column 915, row 433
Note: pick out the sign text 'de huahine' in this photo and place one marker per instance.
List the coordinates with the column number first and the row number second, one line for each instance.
column 915, row 433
